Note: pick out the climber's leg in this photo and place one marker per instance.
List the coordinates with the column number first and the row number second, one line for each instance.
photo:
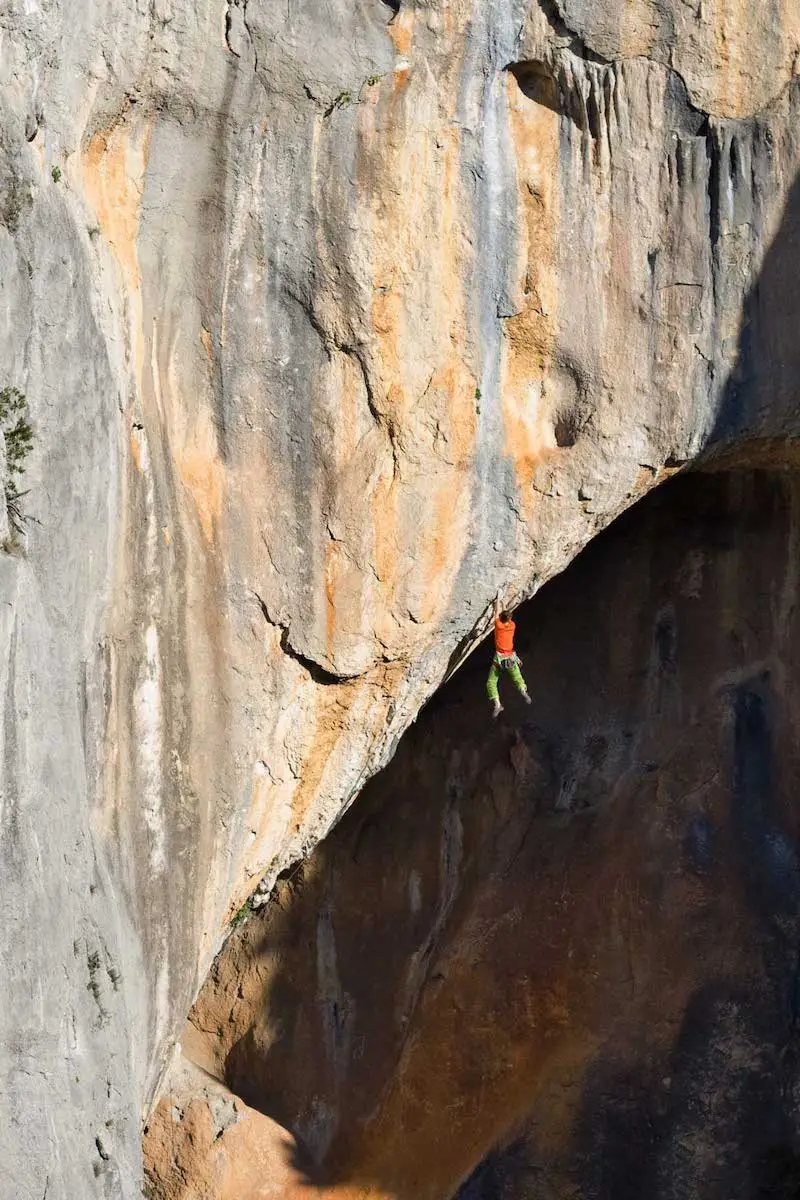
column 491, row 688
column 518, row 681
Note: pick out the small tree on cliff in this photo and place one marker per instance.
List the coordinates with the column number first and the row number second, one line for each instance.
column 18, row 435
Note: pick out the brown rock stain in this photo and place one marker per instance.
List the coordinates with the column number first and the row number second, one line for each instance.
column 137, row 452
column 350, row 471
column 639, row 23
column 202, row 474
column 113, row 166
column 459, row 387
column 205, row 338
column 530, row 334
column 401, row 31
column 331, row 569
column 737, row 87
column 328, row 723
column 338, row 710
column 444, row 532
column 188, row 1155
column 266, row 820
column 385, row 518
column 428, row 406
column 790, row 22
column 192, row 437
column 278, row 809
column 400, row 77
column 726, row 50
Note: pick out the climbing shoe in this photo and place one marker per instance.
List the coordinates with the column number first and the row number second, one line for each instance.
column 526, row 698
column 498, row 708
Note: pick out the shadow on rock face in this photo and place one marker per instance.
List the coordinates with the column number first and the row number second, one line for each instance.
column 690, row 1122
column 502, row 1175
column 762, row 396
column 777, row 1174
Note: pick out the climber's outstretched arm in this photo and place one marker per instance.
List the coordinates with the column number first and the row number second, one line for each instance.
column 498, row 605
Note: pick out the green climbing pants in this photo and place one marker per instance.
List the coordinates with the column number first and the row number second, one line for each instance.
column 508, row 666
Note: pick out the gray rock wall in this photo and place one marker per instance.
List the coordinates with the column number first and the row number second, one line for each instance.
column 330, row 324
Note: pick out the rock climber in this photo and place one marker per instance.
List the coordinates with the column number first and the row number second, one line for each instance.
column 505, row 660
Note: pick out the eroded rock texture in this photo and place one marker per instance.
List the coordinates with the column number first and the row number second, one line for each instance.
column 557, row 956
column 332, row 319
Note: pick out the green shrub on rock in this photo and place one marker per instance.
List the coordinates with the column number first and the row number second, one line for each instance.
column 18, row 435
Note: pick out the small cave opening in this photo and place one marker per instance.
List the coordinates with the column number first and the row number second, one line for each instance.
column 537, row 81
column 566, row 428
column 577, row 98
column 556, row 953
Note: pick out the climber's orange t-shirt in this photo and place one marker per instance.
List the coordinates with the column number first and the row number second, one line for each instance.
column 504, row 636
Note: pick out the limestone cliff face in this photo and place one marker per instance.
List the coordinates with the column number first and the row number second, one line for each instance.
column 332, row 319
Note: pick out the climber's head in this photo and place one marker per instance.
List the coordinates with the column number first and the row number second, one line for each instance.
column 505, row 617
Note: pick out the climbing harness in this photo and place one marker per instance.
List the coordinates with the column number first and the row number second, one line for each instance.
column 506, row 661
